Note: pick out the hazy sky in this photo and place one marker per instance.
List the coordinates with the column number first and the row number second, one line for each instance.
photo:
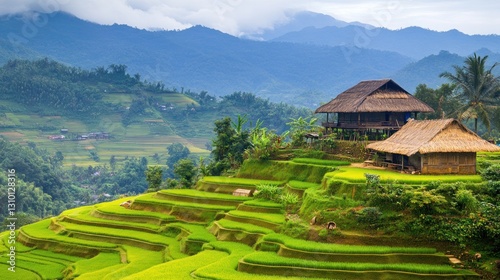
column 240, row 17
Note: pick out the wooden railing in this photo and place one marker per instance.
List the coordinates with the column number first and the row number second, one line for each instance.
column 360, row 125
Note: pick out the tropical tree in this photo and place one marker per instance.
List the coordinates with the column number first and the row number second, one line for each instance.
column 228, row 146
column 441, row 100
column 154, row 178
column 300, row 127
column 186, row 170
column 476, row 88
column 176, row 152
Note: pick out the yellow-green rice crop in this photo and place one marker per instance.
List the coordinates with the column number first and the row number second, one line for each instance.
column 228, row 224
column 357, row 175
column 179, row 269
column 312, row 246
column 271, row 259
column 268, row 217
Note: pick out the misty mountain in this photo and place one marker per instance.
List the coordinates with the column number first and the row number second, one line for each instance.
column 414, row 42
column 303, row 20
column 200, row 58
column 427, row 70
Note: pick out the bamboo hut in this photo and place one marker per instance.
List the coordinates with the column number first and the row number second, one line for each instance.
column 433, row 147
column 372, row 106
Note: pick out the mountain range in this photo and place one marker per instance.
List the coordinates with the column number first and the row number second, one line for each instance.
column 304, row 62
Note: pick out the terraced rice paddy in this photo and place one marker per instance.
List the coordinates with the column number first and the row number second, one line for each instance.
column 188, row 234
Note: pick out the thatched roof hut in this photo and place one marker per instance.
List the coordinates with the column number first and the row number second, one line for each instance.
column 371, row 106
column 436, row 146
column 374, row 96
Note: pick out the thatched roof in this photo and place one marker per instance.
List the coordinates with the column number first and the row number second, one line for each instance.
column 433, row 136
column 374, row 96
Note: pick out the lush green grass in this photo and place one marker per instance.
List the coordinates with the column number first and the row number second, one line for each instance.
column 40, row 230
column 126, row 213
column 4, row 236
column 101, row 273
column 138, row 260
column 357, row 175
column 263, row 203
column 226, row 268
column 93, row 221
column 56, row 257
column 197, row 232
column 302, row 185
column 239, row 181
column 268, row 217
column 102, row 233
column 271, row 259
column 283, row 171
column 98, row 266
column 19, row 274
column 179, row 269
column 204, row 195
column 20, row 247
column 317, row 200
column 149, row 198
column 228, row 224
column 45, row 268
column 321, row 162
column 312, row 246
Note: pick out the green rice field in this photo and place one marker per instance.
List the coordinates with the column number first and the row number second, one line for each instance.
column 195, row 234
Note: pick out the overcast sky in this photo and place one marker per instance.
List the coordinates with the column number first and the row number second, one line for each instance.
column 242, row 17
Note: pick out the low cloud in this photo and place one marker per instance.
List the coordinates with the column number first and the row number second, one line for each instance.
column 244, row 17
column 236, row 17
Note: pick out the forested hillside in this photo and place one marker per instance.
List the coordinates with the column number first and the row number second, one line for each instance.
column 50, row 108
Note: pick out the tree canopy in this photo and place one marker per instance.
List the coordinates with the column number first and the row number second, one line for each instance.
column 477, row 89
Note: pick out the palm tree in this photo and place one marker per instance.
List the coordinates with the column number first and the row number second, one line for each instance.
column 476, row 88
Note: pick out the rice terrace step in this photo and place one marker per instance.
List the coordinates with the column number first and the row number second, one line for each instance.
column 205, row 233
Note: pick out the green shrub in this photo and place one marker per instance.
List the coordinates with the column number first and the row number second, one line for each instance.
column 289, row 200
column 368, row 215
column 295, row 229
column 323, row 233
column 372, row 180
column 465, row 200
column 482, row 165
column 449, row 190
column 315, row 200
column 393, row 197
column 493, row 189
column 333, row 186
column 492, row 173
column 425, row 202
column 269, row 192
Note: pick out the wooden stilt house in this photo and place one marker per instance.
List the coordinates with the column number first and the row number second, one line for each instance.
column 433, row 147
column 372, row 106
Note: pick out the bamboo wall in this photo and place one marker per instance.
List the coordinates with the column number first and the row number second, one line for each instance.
column 449, row 163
